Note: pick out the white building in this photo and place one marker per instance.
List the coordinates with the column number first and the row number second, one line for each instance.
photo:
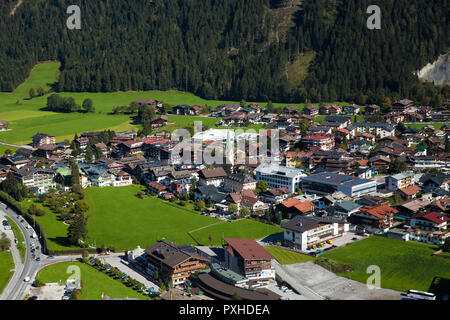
column 278, row 176
column 304, row 232
column 400, row 180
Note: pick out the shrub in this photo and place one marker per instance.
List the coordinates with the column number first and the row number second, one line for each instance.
column 334, row 266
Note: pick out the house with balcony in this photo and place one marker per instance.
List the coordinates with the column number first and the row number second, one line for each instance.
column 400, row 181
column 249, row 259
column 303, row 232
column 174, row 263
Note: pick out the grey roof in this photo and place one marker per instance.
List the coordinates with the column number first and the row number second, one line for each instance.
column 335, row 179
column 302, row 223
column 241, row 178
column 273, row 169
column 338, row 119
column 348, row 205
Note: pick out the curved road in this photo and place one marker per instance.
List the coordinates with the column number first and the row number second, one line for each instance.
column 17, row 288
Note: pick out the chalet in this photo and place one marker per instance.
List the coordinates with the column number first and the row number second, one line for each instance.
column 81, row 142
column 372, row 109
column 156, row 188
column 130, row 148
column 346, row 209
column 275, row 196
column 311, row 110
column 214, row 176
column 45, row 150
column 122, row 179
column 323, row 142
column 238, row 182
column 341, row 122
column 330, row 109
column 247, row 199
column 436, row 180
column 184, row 110
column 409, row 192
column 98, row 174
column 380, row 162
column 402, row 105
column 352, row 109
column 158, row 122
column 173, row 263
column 291, row 110
column 39, row 180
column 379, row 217
column 412, row 207
column 40, row 139
column 16, row 160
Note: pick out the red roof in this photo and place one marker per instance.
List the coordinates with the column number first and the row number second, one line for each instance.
column 248, row 249
column 433, row 217
column 411, row 190
column 291, row 202
column 305, row 207
column 379, row 211
column 316, row 137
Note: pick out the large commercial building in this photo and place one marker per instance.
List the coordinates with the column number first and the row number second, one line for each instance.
column 278, row 176
column 328, row 183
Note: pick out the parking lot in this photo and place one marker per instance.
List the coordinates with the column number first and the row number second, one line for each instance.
column 122, row 265
column 350, row 237
column 51, row 291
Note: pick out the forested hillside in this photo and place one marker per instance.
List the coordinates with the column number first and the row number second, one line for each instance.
column 227, row 48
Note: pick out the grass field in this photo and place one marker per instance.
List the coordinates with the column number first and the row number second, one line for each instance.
column 26, row 117
column 6, row 264
column 237, row 229
column 286, row 256
column 404, row 265
column 19, row 236
column 419, row 126
column 95, row 282
column 117, row 217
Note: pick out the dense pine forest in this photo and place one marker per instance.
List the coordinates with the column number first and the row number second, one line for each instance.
column 229, row 49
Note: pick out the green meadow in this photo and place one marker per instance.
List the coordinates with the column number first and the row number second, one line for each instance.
column 95, row 283
column 6, row 265
column 403, row 265
column 284, row 256
column 26, row 117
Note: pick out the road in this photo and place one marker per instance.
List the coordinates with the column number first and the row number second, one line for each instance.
column 16, row 145
column 17, row 288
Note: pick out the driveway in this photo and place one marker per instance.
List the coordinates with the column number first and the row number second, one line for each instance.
column 329, row 285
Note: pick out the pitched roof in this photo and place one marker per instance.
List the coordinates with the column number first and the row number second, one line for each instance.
column 305, row 206
column 291, row 202
column 304, row 223
column 248, row 249
column 434, row 217
column 218, row 172
column 379, row 211
column 411, row 190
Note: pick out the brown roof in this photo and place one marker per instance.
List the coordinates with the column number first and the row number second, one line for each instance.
column 157, row 186
column 379, row 211
column 248, row 249
column 218, row 172
column 169, row 254
column 291, row 202
column 305, row 206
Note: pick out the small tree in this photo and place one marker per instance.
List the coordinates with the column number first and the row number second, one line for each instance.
column 232, row 208
column 244, row 212
column 261, row 186
column 5, row 242
column 32, row 93
column 210, row 238
column 40, row 91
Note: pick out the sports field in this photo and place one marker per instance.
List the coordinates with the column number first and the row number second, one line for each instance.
column 95, row 282
column 403, row 265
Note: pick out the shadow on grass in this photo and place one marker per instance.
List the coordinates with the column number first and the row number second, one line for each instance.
column 62, row 241
column 440, row 287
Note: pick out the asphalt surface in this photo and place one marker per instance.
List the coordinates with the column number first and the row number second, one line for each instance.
column 17, row 287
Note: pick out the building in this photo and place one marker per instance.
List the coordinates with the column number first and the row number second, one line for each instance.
column 40, row 139
column 323, row 142
column 380, row 129
column 214, row 176
column 377, row 218
column 173, row 262
column 433, row 221
column 304, row 232
column 37, row 179
column 278, row 176
column 248, row 258
column 238, row 182
column 327, row 183
column 400, row 181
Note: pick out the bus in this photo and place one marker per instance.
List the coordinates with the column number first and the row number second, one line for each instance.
column 421, row 295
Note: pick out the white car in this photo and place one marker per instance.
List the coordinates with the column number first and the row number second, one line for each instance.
column 27, row 279
column 65, row 298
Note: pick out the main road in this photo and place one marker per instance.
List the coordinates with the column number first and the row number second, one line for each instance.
column 17, row 287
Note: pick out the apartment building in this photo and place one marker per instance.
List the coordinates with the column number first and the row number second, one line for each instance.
column 280, row 177
column 304, row 232
column 37, row 179
column 400, row 181
column 324, row 142
column 248, row 258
